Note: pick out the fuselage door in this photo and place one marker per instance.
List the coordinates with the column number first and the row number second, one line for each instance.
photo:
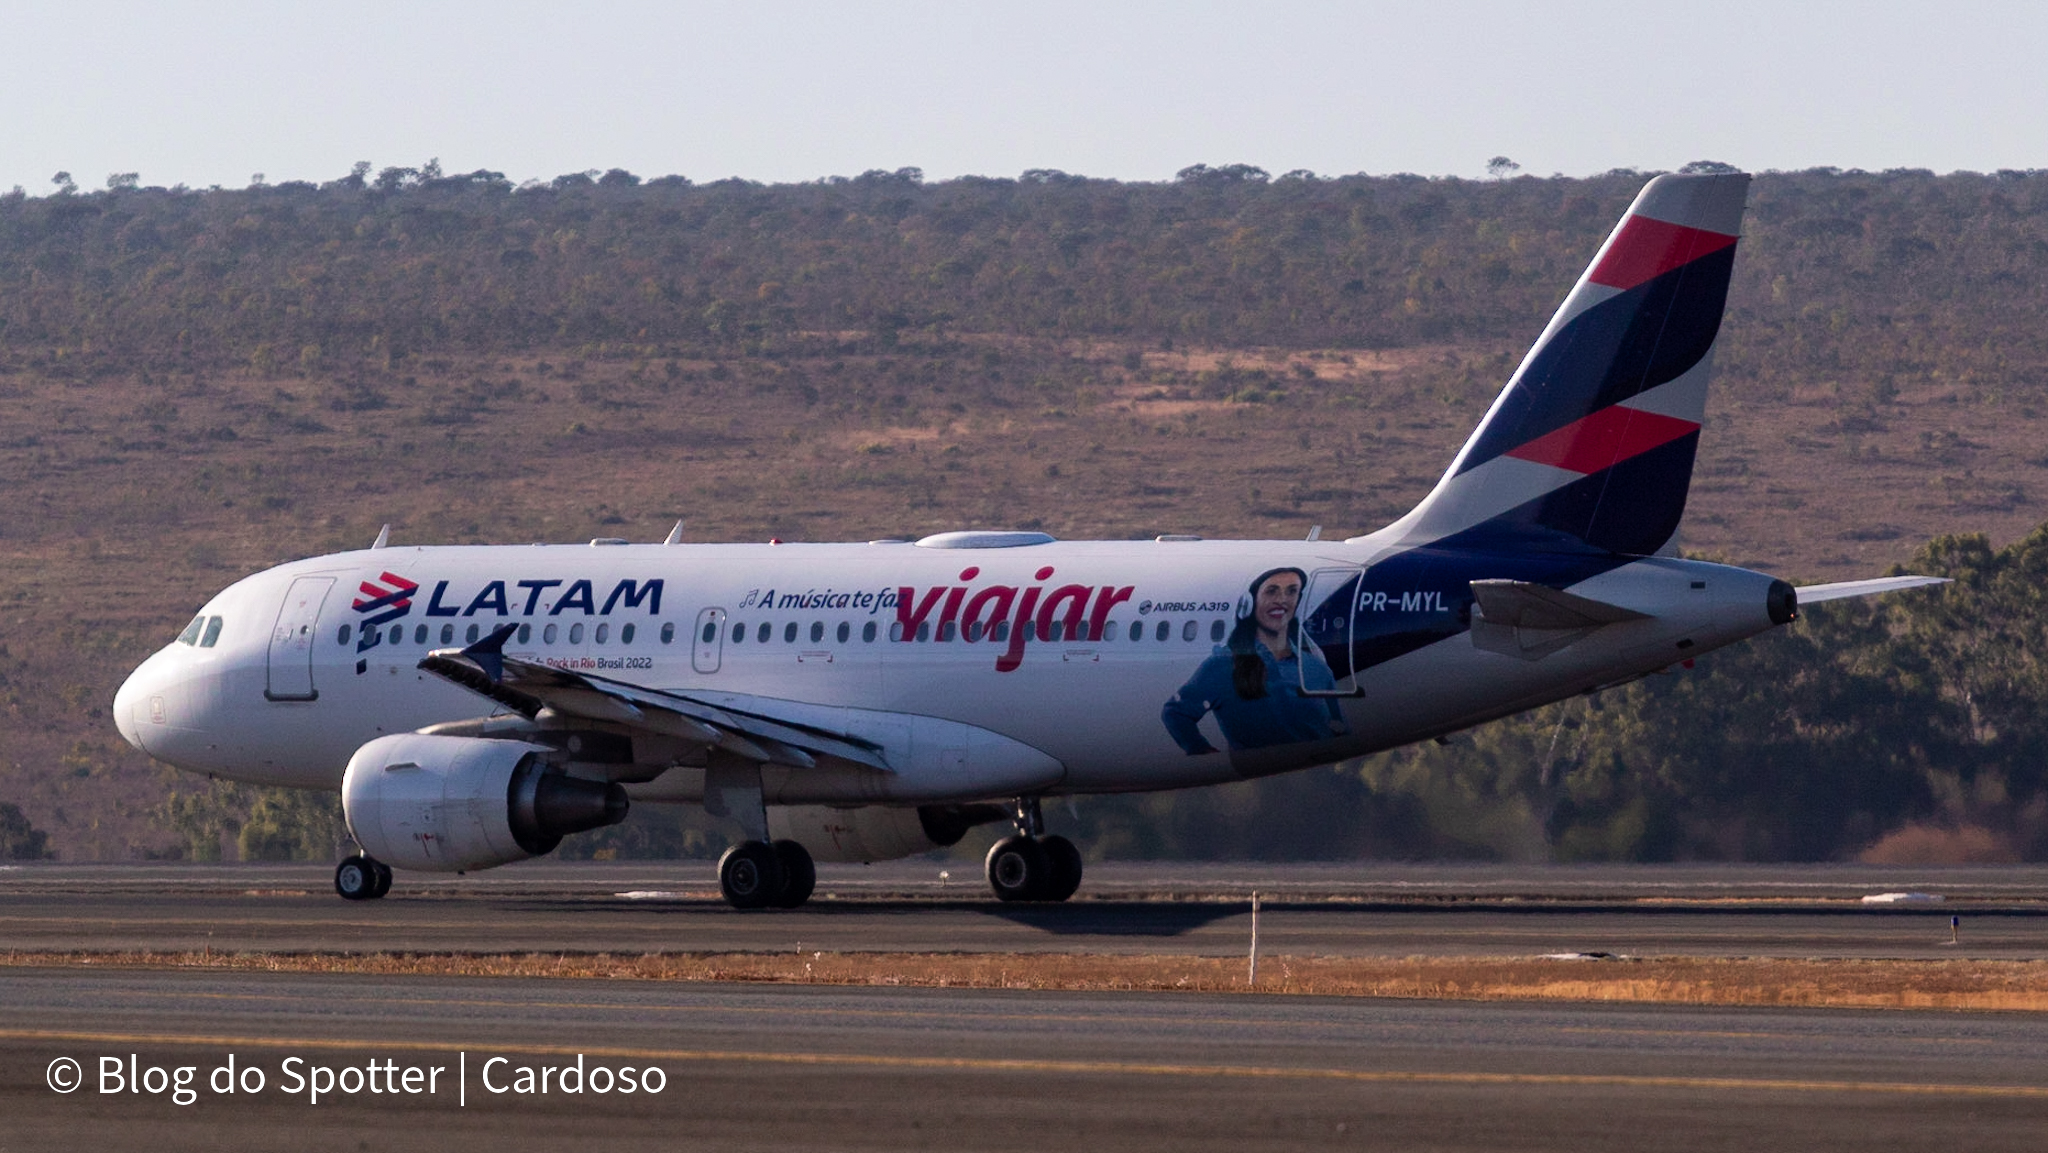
column 291, row 641
column 1329, row 605
column 708, row 642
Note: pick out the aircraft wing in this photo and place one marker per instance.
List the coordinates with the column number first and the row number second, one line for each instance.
column 1816, row 594
column 530, row 688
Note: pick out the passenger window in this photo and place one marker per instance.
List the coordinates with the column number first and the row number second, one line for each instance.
column 547, row 635
column 419, row 635
column 739, row 633
column 604, row 632
column 1137, row 630
column 447, row 634
column 397, row 634
column 973, row 631
column 525, row 634
column 576, row 634
column 1187, row 631
column 191, row 634
column 1216, row 632
column 1002, row 632
column 341, row 635
column 1059, row 629
column 212, row 633
column 762, row 633
column 710, row 632
column 817, row 631
column 1109, row 630
column 867, row 632
column 896, row 631
column 946, row 631
column 472, row 634
column 924, row 630
column 845, row 631
column 789, row 633
column 626, row 635
column 1165, row 629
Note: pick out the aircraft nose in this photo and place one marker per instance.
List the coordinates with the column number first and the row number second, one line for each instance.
column 139, row 704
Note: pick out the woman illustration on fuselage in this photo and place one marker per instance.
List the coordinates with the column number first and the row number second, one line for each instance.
column 1253, row 682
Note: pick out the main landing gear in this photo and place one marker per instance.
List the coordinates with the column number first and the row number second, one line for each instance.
column 760, row 875
column 362, row 878
column 1030, row 866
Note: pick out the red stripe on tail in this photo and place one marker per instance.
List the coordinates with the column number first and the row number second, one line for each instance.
column 1604, row 439
column 1648, row 248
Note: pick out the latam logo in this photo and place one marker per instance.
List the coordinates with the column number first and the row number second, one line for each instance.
column 390, row 597
column 1006, row 614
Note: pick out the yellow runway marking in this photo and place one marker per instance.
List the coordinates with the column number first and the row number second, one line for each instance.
column 1091, row 1068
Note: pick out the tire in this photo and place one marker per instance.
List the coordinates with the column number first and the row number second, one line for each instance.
column 750, row 875
column 1063, row 876
column 1017, row 869
column 383, row 880
column 799, row 875
column 356, row 878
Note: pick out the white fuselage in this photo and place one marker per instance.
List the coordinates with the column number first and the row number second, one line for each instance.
column 288, row 689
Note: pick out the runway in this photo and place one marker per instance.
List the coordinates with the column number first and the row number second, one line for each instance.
column 848, row 1069
column 1355, row 910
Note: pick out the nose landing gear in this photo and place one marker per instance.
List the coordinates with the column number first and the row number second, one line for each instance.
column 1030, row 866
column 362, row 878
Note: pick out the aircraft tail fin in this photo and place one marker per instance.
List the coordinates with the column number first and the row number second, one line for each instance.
column 1591, row 443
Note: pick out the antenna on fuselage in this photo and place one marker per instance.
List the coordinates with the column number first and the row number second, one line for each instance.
column 675, row 535
column 383, row 537
column 1316, row 533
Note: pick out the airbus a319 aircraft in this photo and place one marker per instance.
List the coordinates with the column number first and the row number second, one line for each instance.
column 858, row 702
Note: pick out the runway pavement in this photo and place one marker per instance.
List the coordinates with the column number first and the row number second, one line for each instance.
column 759, row 1067
column 854, row 1069
column 1352, row 910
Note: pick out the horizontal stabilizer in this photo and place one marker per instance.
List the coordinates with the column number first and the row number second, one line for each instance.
column 1815, row 594
column 1522, row 605
column 1531, row 621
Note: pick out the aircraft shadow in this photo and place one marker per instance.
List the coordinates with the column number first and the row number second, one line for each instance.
column 1114, row 918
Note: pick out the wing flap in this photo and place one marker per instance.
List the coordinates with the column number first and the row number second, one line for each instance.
column 531, row 688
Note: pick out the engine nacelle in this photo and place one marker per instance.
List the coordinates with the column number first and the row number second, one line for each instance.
column 450, row 804
column 876, row 832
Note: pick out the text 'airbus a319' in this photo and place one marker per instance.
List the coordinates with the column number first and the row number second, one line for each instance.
column 857, row 702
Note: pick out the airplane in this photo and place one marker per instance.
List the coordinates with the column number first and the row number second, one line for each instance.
column 475, row 705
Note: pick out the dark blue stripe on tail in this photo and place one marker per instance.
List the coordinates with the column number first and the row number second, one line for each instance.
column 1625, row 345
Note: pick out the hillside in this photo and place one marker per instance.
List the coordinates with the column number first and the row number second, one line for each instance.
column 197, row 384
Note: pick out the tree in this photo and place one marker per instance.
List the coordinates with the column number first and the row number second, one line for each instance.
column 1500, row 168
column 20, row 840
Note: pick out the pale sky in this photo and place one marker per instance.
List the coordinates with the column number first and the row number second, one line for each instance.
column 182, row 91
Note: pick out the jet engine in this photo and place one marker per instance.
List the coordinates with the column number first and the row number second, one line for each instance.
column 450, row 804
column 875, row 832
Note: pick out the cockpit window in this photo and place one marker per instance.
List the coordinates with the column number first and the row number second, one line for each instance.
column 212, row 633
column 191, row 634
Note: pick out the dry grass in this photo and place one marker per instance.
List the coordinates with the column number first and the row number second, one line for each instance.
column 133, row 499
column 1842, row 984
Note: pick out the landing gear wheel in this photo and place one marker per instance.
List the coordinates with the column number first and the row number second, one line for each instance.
column 356, row 878
column 750, row 874
column 383, row 879
column 799, row 876
column 1017, row 869
column 1064, row 874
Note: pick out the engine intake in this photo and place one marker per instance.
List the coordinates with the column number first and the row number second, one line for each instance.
column 450, row 804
